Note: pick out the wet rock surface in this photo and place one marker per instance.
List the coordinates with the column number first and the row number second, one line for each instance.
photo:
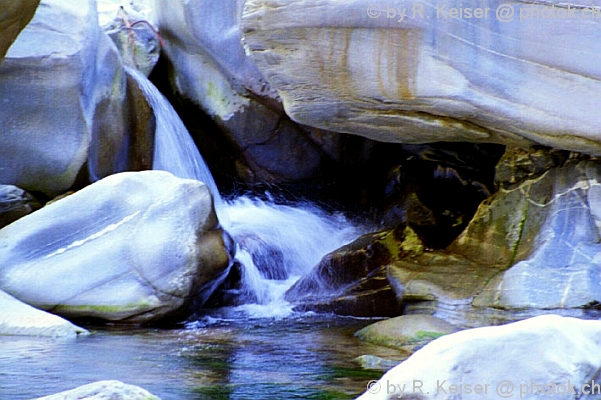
column 352, row 280
column 438, row 187
column 530, row 248
column 407, row 333
column 14, row 204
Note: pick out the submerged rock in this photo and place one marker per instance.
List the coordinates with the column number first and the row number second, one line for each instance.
column 373, row 362
column 14, row 204
column 525, row 358
column 18, row 318
column 407, row 332
column 431, row 77
column 113, row 390
column 133, row 247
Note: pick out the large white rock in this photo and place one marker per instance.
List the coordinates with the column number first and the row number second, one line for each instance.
column 18, row 318
column 103, row 390
column 132, row 247
column 353, row 66
column 531, row 359
column 61, row 88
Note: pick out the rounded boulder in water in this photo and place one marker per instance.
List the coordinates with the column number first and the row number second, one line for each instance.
column 133, row 247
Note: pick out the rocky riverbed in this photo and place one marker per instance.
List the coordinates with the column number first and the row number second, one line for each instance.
column 209, row 199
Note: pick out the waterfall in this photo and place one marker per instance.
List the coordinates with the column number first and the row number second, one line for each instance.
column 276, row 244
column 174, row 149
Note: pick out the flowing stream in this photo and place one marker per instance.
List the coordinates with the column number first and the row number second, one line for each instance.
column 258, row 349
column 277, row 244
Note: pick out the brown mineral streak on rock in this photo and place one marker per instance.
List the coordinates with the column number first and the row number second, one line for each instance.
column 397, row 61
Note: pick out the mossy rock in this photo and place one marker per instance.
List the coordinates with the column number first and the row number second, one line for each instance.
column 407, row 332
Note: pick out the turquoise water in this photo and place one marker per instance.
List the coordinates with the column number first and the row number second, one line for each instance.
column 302, row 357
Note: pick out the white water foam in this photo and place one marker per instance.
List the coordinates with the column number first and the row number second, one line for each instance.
column 286, row 242
column 277, row 244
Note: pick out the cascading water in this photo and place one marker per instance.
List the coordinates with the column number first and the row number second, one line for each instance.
column 174, row 149
column 277, row 244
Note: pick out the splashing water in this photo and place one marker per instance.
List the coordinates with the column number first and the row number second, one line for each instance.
column 276, row 244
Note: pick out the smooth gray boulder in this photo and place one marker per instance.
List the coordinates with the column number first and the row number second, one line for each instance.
column 104, row 390
column 546, row 356
column 407, row 332
column 365, row 68
column 204, row 46
column 133, row 247
column 20, row 319
column 61, row 88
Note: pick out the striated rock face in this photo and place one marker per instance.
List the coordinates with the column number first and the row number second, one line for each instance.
column 63, row 93
column 20, row 319
column 532, row 247
column 429, row 77
column 547, row 350
column 133, row 247
column 113, row 390
column 556, row 267
column 14, row 16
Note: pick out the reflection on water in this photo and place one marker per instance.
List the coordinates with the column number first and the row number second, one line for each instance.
column 307, row 357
